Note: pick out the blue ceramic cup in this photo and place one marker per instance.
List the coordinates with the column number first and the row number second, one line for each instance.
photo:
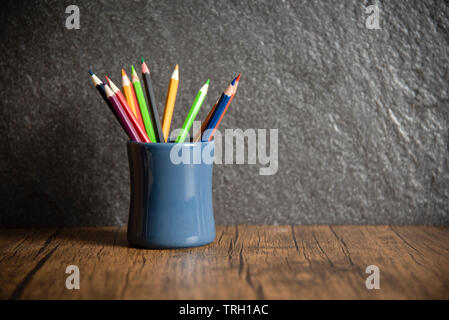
column 171, row 194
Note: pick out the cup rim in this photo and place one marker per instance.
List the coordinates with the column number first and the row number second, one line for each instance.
column 171, row 143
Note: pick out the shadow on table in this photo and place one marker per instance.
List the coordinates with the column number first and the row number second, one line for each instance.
column 103, row 236
column 99, row 236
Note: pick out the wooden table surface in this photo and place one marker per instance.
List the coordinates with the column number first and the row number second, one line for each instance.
column 244, row 262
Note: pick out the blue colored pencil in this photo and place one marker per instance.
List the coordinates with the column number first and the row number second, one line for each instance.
column 221, row 106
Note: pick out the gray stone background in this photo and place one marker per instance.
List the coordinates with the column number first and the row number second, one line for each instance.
column 362, row 114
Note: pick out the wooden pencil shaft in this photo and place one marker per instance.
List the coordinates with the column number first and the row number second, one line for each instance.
column 229, row 95
column 213, row 121
column 199, row 99
column 136, row 103
column 119, row 113
column 129, row 113
column 131, row 98
column 140, row 131
column 100, row 89
column 221, row 117
column 169, row 107
column 207, row 120
column 153, row 108
column 209, row 117
column 144, row 110
column 124, row 120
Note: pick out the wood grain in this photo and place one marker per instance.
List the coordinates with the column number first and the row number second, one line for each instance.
column 244, row 262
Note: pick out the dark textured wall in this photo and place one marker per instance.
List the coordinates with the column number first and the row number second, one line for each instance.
column 362, row 114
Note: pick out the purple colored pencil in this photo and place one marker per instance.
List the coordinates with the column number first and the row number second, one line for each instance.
column 126, row 124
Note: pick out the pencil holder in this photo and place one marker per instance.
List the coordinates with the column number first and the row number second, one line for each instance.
column 171, row 194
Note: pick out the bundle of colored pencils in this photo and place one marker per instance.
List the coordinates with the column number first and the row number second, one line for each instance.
column 139, row 117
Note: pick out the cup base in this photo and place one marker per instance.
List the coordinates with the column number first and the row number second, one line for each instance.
column 190, row 242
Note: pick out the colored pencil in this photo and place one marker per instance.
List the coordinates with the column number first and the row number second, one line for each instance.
column 222, row 108
column 210, row 126
column 106, row 92
column 131, row 97
column 237, row 80
column 154, row 114
column 121, row 114
column 99, row 85
column 170, row 102
column 132, row 118
column 207, row 120
column 142, row 105
column 193, row 112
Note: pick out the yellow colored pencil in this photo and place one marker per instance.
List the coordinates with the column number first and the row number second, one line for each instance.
column 170, row 102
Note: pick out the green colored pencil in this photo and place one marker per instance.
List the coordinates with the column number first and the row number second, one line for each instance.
column 193, row 112
column 142, row 105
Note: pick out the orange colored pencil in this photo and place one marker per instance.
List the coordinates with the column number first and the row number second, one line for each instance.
column 131, row 97
column 132, row 118
column 170, row 102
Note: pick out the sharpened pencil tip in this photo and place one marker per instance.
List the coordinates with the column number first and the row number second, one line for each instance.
column 143, row 61
column 145, row 67
column 123, row 72
column 132, row 69
column 233, row 81
column 107, row 79
column 238, row 77
column 90, row 72
column 175, row 74
column 207, row 82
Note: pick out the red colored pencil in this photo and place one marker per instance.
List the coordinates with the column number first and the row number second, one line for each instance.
column 121, row 98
